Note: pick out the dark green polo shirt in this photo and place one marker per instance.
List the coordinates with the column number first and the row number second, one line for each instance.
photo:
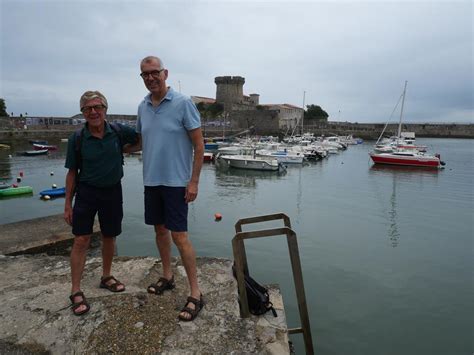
column 101, row 158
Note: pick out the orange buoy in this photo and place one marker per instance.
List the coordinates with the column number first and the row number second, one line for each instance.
column 218, row 216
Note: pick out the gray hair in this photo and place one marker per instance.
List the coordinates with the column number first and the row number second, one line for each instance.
column 90, row 95
column 150, row 59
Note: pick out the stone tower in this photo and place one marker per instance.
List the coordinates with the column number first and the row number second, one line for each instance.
column 230, row 90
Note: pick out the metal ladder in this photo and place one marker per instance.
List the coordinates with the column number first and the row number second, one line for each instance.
column 241, row 267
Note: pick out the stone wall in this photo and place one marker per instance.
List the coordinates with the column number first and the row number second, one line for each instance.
column 373, row 130
column 264, row 122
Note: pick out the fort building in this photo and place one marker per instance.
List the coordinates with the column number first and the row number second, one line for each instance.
column 245, row 111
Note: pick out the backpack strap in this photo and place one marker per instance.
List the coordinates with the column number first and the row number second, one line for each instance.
column 117, row 128
column 77, row 150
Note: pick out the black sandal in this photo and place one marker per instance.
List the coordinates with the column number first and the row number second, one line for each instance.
column 76, row 305
column 112, row 287
column 198, row 304
column 161, row 285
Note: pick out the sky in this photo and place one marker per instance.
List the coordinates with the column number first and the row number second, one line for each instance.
column 349, row 57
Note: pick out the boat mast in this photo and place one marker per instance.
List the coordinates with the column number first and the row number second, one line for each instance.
column 401, row 111
column 302, row 118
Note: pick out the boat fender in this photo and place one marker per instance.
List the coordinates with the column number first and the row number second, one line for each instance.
column 54, row 186
column 46, row 197
column 217, row 217
column 18, row 179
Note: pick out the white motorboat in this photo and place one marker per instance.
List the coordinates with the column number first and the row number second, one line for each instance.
column 251, row 162
column 283, row 156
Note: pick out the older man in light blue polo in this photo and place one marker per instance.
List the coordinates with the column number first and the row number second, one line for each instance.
column 170, row 134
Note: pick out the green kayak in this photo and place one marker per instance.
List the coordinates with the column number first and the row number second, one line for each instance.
column 21, row 190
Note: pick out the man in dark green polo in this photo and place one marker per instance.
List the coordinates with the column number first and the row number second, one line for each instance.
column 94, row 160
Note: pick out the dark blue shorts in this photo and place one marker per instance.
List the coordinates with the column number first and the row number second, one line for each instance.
column 166, row 205
column 104, row 201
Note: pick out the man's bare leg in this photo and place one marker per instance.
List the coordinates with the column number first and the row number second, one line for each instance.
column 78, row 260
column 188, row 257
column 163, row 243
column 108, row 251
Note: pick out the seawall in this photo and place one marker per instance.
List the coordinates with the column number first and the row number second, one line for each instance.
column 369, row 131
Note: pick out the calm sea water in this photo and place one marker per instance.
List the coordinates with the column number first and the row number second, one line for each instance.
column 387, row 253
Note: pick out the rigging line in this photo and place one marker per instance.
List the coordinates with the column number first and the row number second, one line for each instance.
column 386, row 124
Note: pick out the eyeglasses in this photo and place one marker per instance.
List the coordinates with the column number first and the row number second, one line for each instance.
column 154, row 73
column 88, row 109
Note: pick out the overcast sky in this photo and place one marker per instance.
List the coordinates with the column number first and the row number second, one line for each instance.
column 350, row 57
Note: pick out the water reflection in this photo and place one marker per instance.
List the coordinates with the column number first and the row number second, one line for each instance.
column 394, row 170
column 227, row 176
column 393, row 233
column 398, row 174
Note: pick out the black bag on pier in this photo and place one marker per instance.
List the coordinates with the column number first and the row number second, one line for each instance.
column 257, row 296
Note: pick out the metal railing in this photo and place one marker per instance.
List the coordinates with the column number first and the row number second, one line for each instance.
column 241, row 266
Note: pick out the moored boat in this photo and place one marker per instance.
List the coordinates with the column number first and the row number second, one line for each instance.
column 407, row 158
column 252, row 162
column 4, row 185
column 283, row 156
column 35, row 152
column 54, row 192
column 44, row 146
column 11, row 191
column 38, row 142
column 208, row 156
column 401, row 150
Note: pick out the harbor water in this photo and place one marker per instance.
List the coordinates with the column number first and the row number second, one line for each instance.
column 386, row 252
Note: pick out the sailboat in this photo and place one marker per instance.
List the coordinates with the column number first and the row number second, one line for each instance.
column 400, row 155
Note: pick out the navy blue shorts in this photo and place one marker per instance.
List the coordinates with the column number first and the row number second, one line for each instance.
column 104, row 201
column 166, row 205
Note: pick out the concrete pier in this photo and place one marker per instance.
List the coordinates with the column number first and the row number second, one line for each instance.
column 36, row 315
column 45, row 234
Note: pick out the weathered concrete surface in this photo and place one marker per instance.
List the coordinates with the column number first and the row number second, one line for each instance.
column 45, row 234
column 36, row 318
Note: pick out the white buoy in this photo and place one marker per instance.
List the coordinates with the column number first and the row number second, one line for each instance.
column 54, row 186
column 9, row 155
column 51, row 173
column 46, row 197
column 18, row 179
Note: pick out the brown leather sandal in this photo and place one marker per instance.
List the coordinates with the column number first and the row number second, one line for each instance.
column 161, row 285
column 198, row 304
column 112, row 287
column 76, row 305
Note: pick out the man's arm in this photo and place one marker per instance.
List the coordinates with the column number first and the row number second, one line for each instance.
column 130, row 148
column 70, row 187
column 198, row 144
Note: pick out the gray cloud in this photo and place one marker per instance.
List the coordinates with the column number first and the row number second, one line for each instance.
column 349, row 57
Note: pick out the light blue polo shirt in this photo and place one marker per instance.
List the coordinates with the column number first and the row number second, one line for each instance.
column 166, row 145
